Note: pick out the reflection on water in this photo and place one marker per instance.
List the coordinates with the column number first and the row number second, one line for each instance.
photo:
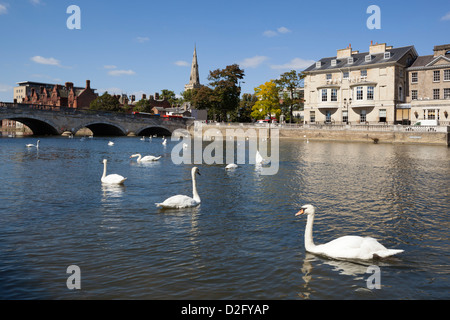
column 242, row 242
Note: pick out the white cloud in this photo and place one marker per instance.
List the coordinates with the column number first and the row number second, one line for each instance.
column 47, row 61
column 253, row 62
column 142, row 39
column 181, row 63
column 269, row 33
column 121, row 72
column 3, row 9
column 110, row 67
column 36, row 2
column 296, row 63
column 272, row 33
column 283, row 30
column 446, row 17
column 5, row 88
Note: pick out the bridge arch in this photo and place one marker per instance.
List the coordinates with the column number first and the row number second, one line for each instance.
column 154, row 129
column 40, row 127
column 102, row 129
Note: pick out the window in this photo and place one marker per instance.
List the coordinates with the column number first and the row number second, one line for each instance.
column 400, row 93
column 387, row 55
column 359, row 93
column 414, row 94
column 436, row 94
column 382, row 115
column 333, row 62
column 328, row 76
column 324, row 95
column 312, row 116
column 328, row 116
column 363, row 73
column 333, row 94
column 447, row 93
column 436, row 76
column 350, row 60
column 368, row 58
column 345, row 116
column 346, row 75
column 318, row 64
column 362, row 116
column 447, row 75
column 414, row 77
column 431, row 114
column 370, row 91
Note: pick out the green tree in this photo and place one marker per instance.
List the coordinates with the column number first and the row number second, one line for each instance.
column 143, row 105
column 226, row 90
column 106, row 102
column 268, row 103
column 169, row 96
column 288, row 83
column 245, row 107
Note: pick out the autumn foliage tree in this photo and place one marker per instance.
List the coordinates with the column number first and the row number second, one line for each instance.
column 268, row 103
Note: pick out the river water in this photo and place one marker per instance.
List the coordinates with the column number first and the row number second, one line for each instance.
column 242, row 242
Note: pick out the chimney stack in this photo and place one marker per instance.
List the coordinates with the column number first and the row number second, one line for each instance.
column 88, row 84
column 156, row 96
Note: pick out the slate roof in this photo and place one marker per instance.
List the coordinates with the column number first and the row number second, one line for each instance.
column 359, row 60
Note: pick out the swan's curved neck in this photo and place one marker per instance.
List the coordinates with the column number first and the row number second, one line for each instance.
column 104, row 170
column 139, row 158
column 309, row 243
column 195, row 195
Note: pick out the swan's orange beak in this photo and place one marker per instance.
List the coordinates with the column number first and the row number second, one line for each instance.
column 300, row 212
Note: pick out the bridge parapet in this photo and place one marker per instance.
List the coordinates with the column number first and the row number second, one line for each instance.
column 63, row 119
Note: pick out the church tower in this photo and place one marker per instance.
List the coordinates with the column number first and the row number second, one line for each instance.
column 194, row 81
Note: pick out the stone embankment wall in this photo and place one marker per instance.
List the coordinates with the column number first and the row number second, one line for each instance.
column 370, row 134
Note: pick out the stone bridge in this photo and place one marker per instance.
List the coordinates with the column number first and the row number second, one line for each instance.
column 46, row 120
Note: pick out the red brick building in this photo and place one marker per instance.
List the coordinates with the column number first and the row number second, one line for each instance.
column 58, row 95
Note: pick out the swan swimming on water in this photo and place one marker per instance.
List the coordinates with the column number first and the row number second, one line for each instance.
column 260, row 160
column 111, row 178
column 110, row 143
column 146, row 158
column 181, row 201
column 231, row 166
column 30, row 145
column 347, row 247
column 164, row 142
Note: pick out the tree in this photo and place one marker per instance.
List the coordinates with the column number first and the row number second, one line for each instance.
column 169, row 96
column 143, row 105
column 290, row 81
column 245, row 107
column 106, row 102
column 268, row 103
column 226, row 89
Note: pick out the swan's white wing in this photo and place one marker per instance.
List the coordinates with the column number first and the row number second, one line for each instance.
column 114, row 179
column 231, row 166
column 150, row 158
column 178, row 201
column 354, row 247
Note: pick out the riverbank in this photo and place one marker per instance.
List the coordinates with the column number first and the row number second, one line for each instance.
column 393, row 134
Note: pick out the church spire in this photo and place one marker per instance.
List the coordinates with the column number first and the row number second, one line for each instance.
column 194, row 80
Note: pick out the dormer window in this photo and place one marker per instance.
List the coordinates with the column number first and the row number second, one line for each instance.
column 318, row 64
column 350, row 60
column 333, row 62
column 368, row 58
column 387, row 55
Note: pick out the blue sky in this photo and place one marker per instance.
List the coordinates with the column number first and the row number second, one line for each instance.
column 137, row 47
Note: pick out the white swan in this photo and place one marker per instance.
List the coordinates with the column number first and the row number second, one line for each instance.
column 231, row 166
column 146, row 158
column 260, row 160
column 111, row 178
column 110, row 143
column 30, row 145
column 164, row 142
column 347, row 247
column 181, row 201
